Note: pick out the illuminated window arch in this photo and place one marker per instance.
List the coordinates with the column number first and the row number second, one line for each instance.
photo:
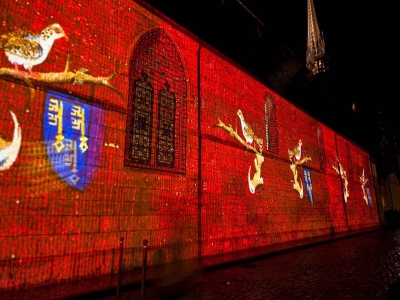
column 271, row 125
column 321, row 149
column 156, row 122
column 367, row 165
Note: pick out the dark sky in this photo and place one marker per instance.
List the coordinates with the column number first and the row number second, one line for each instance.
column 360, row 39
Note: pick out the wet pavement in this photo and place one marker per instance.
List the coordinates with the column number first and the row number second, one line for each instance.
column 359, row 266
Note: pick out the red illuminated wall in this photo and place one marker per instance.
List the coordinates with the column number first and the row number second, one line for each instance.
column 130, row 128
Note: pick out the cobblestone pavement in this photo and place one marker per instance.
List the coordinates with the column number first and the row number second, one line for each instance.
column 358, row 267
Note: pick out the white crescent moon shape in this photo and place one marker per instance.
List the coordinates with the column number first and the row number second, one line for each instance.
column 251, row 186
column 302, row 189
column 9, row 155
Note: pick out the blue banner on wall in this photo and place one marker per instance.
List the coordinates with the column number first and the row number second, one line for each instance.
column 368, row 195
column 307, row 180
column 73, row 138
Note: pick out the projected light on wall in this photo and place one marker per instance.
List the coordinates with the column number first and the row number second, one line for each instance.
column 71, row 132
column 296, row 159
column 251, row 143
column 9, row 149
column 343, row 174
column 115, row 122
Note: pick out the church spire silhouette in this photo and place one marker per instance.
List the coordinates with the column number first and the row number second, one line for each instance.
column 316, row 58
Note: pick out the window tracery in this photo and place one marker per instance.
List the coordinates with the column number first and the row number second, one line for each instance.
column 156, row 121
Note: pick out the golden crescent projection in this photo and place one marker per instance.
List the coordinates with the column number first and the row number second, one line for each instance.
column 9, row 154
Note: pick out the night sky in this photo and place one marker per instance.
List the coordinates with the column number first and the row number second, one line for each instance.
column 360, row 39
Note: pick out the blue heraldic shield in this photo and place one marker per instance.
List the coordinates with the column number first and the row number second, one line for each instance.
column 368, row 195
column 307, row 180
column 73, row 135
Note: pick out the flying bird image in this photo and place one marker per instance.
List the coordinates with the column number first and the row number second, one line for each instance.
column 28, row 49
column 248, row 132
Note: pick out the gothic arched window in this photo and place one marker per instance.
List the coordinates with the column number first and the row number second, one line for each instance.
column 156, row 122
column 271, row 125
column 321, row 149
column 349, row 161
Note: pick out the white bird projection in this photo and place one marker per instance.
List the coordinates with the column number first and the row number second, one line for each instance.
column 248, row 132
column 296, row 152
column 28, row 49
column 9, row 150
column 256, row 180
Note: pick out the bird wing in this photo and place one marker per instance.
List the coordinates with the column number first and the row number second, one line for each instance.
column 31, row 37
column 297, row 150
column 23, row 47
column 19, row 34
column 249, row 131
column 298, row 154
